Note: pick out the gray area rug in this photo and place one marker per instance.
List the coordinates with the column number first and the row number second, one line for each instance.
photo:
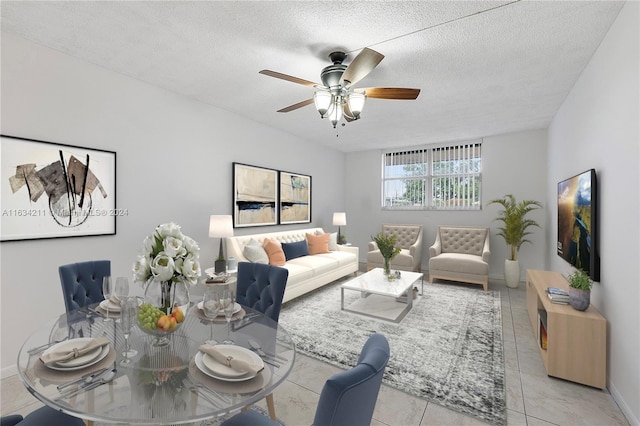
column 448, row 349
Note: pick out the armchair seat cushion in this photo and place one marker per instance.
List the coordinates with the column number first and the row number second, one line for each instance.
column 460, row 262
column 403, row 260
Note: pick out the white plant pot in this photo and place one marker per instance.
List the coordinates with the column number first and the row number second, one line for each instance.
column 511, row 273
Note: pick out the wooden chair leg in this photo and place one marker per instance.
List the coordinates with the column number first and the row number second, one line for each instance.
column 271, row 407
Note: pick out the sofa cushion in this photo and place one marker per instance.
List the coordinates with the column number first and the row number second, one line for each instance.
column 343, row 257
column 318, row 264
column 254, row 252
column 274, row 252
column 459, row 262
column 297, row 273
column 318, row 243
column 295, row 250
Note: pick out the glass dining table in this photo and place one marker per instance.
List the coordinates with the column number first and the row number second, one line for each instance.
column 160, row 384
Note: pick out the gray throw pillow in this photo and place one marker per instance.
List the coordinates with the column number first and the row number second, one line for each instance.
column 254, row 252
column 333, row 241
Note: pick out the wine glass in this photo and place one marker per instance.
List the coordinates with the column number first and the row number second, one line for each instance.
column 121, row 290
column 106, row 291
column 227, row 304
column 211, row 309
column 128, row 314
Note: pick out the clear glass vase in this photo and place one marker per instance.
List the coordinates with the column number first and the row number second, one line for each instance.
column 166, row 296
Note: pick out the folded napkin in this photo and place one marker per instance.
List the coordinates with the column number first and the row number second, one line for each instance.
column 236, row 364
column 115, row 300
column 68, row 353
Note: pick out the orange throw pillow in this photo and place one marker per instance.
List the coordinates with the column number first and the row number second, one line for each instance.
column 318, row 243
column 274, row 252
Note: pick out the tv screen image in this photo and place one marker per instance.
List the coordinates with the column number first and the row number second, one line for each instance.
column 577, row 222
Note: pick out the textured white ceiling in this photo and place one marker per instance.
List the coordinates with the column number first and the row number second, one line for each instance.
column 484, row 67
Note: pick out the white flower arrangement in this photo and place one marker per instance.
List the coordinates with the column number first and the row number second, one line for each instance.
column 168, row 256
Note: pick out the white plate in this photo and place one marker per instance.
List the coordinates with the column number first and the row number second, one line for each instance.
column 236, row 352
column 69, row 345
column 108, row 305
column 101, row 353
column 199, row 361
column 236, row 308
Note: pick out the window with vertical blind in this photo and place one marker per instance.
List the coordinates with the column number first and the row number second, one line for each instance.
column 434, row 177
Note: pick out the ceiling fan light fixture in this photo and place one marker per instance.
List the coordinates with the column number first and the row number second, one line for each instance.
column 336, row 111
column 356, row 103
column 322, row 100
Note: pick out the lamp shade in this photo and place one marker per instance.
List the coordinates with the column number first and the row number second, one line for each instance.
column 220, row 226
column 322, row 101
column 356, row 103
column 339, row 219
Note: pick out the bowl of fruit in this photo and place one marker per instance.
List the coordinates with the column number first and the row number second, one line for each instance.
column 158, row 323
column 164, row 309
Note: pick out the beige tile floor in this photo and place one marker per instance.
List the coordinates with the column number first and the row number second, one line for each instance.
column 533, row 398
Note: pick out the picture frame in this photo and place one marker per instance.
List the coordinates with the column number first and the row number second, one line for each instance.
column 56, row 190
column 255, row 196
column 295, row 198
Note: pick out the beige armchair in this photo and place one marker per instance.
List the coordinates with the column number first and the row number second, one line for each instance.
column 409, row 239
column 460, row 253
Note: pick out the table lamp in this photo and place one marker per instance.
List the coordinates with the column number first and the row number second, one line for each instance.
column 220, row 226
column 340, row 219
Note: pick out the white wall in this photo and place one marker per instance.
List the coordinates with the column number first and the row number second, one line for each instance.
column 174, row 158
column 597, row 127
column 513, row 163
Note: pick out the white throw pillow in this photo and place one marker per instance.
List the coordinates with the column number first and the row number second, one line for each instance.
column 254, row 252
column 333, row 241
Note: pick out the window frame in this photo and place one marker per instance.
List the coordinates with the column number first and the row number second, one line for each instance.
column 427, row 178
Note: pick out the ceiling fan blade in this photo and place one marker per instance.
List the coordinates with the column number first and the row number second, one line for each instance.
column 288, row 78
column 296, row 106
column 361, row 65
column 390, row 93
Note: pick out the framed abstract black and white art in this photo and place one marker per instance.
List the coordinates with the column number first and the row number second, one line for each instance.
column 54, row 190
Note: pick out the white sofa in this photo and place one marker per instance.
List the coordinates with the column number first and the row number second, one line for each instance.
column 306, row 273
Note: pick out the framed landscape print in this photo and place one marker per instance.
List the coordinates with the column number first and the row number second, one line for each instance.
column 53, row 190
column 255, row 195
column 295, row 198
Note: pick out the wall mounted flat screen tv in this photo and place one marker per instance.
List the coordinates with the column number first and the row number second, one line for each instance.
column 578, row 222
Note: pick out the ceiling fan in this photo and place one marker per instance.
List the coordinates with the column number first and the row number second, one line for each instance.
column 336, row 97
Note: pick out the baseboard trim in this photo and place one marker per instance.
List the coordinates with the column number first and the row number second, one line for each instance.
column 626, row 411
column 9, row 371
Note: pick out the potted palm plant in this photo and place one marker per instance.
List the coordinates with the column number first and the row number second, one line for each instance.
column 579, row 290
column 514, row 231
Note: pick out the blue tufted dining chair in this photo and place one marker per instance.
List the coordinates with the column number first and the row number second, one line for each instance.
column 41, row 417
column 261, row 287
column 347, row 398
column 82, row 282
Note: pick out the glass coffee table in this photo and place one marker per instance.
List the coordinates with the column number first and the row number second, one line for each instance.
column 376, row 283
